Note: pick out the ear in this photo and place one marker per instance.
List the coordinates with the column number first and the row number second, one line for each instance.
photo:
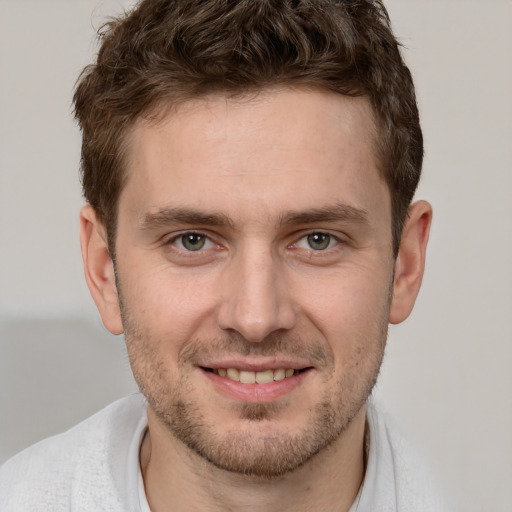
column 99, row 269
column 410, row 263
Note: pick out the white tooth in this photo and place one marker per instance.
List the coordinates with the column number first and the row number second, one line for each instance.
column 279, row 374
column 289, row 372
column 247, row 377
column 233, row 374
column 265, row 377
column 222, row 372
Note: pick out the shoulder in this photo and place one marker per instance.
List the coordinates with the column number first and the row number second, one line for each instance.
column 81, row 461
column 397, row 475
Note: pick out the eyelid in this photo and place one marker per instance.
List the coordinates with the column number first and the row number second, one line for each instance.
column 174, row 237
column 338, row 238
column 170, row 240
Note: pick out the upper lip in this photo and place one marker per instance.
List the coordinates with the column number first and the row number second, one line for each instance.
column 256, row 365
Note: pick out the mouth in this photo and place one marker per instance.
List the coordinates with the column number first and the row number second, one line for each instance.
column 256, row 377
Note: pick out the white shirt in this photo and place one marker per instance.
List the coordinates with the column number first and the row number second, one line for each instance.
column 95, row 467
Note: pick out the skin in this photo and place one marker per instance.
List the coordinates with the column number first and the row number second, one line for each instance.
column 261, row 180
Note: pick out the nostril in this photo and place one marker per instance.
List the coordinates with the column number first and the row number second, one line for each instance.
column 256, row 306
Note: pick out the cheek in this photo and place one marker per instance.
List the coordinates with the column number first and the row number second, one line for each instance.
column 167, row 304
column 350, row 305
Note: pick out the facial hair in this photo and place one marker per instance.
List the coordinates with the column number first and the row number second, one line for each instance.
column 255, row 447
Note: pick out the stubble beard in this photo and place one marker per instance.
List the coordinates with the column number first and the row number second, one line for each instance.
column 270, row 454
column 267, row 454
column 262, row 451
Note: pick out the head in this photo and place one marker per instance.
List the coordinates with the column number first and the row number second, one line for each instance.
column 164, row 53
column 249, row 168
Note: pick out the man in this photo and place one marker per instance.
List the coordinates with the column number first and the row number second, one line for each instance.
column 249, row 169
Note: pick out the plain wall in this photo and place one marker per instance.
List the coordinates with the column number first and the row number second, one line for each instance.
column 446, row 375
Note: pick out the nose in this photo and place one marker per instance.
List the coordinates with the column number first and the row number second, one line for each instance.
column 255, row 299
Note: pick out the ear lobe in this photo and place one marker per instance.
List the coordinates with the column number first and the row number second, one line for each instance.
column 410, row 263
column 99, row 269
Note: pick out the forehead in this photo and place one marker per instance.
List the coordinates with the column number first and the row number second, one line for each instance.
column 275, row 107
column 279, row 148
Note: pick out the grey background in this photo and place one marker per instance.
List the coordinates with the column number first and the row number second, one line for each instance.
column 446, row 376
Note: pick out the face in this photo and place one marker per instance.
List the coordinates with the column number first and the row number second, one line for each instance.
column 254, row 272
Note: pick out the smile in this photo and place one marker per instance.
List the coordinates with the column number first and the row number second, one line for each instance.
column 249, row 377
column 255, row 384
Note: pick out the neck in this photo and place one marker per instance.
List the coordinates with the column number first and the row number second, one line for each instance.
column 173, row 473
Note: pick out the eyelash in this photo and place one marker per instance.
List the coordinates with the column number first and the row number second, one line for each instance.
column 179, row 239
column 333, row 242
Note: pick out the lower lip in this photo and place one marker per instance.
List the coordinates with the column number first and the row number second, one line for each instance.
column 256, row 392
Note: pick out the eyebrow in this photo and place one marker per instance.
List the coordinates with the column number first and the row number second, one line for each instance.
column 169, row 216
column 337, row 213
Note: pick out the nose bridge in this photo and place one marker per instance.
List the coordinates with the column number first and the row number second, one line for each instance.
column 255, row 302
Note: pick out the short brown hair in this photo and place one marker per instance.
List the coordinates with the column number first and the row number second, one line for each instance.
column 174, row 50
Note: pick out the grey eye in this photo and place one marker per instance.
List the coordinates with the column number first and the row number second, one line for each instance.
column 319, row 241
column 193, row 241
